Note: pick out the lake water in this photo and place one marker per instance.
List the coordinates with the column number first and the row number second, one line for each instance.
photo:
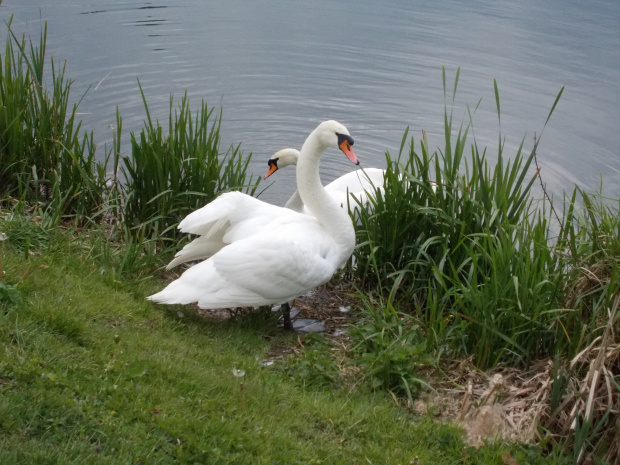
column 278, row 68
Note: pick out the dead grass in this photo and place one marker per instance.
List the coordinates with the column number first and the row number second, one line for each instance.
column 516, row 405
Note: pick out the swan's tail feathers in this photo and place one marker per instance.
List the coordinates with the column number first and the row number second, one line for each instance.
column 183, row 293
column 177, row 292
column 213, row 216
column 201, row 284
column 188, row 288
column 200, row 248
column 202, row 228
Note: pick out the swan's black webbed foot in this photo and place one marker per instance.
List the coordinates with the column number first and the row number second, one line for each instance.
column 286, row 316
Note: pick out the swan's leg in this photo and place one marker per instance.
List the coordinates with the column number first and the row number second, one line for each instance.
column 286, row 315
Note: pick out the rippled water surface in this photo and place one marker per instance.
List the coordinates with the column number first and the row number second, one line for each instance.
column 278, row 68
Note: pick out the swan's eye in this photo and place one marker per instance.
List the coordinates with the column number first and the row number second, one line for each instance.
column 342, row 138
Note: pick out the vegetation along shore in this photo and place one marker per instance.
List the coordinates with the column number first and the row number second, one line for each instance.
column 476, row 323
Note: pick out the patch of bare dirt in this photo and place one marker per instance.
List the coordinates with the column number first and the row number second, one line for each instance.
column 330, row 304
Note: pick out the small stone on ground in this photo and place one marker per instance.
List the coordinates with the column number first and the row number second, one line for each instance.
column 304, row 325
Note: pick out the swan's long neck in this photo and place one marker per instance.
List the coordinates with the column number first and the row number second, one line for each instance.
column 295, row 203
column 335, row 219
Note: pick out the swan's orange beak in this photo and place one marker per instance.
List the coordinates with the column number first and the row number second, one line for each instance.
column 273, row 167
column 345, row 146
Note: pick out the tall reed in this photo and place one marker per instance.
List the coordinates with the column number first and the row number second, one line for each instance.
column 170, row 175
column 454, row 239
column 589, row 244
column 43, row 158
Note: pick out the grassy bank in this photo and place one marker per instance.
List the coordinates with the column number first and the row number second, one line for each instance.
column 92, row 373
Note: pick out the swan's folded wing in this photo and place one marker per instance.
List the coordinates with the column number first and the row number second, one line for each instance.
column 278, row 267
column 267, row 269
column 227, row 208
column 361, row 184
column 232, row 216
column 271, row 220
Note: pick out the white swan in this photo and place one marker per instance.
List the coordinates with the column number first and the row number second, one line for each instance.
column 263, row 254
column 361, row 184
column 358, row 183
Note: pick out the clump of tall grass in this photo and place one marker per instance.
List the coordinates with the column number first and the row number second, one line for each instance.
column 43, row 158
column 462, row 244
column 427, row 205
column 169, row 176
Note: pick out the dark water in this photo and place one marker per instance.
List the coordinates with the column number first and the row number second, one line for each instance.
column 279, row 67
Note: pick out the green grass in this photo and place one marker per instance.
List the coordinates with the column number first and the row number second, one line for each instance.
column 92, row 373
column 459, row 243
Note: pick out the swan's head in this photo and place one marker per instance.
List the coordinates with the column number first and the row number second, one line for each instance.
column 334, row 134
column 281, row 159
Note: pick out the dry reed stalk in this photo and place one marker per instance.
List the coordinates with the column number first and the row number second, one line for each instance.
column 517, row 403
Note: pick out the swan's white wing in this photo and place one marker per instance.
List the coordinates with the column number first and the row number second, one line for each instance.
column 227, row 208
column 359, row 183
column 230, row 217
column 263, row 269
